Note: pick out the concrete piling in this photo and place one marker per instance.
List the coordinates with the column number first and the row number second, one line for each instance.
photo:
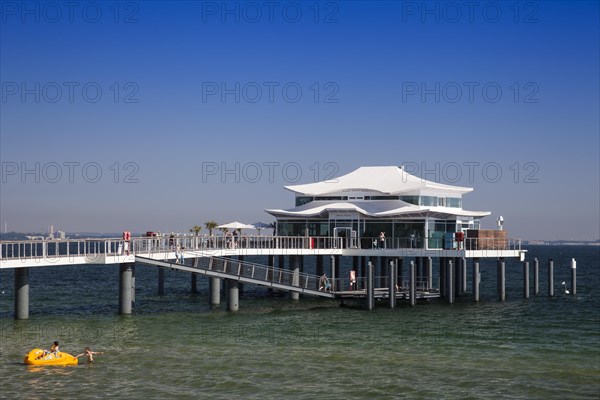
column 573, row 277
column 21, row 293
column 194, row 283
column 429, row 272
column 501, row 279
column 161, row 281
column 476, row 279
column 463, row 267
column 449, row 281
column 550, row 277
column 214, row 289
column 393, row 278
column 412, row 280
column 125, row 288
column 536, row 276
column 233, row 298
column 526, row 279
column 370, row 289
column 443, row 271
column 295, row 267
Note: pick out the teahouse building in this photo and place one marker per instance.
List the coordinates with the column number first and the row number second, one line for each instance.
column 410, row 211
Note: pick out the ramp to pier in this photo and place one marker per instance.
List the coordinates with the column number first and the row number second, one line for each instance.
column 246, row 272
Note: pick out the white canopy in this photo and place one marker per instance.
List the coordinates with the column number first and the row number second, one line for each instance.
column 236, row 225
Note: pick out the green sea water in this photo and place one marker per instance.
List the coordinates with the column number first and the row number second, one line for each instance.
column 176, row 346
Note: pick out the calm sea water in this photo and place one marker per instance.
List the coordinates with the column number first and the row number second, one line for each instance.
column 175, row 346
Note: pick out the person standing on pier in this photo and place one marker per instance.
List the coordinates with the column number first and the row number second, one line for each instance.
column 381, row 240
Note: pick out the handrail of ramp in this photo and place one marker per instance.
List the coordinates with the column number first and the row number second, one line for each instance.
column 244, row 271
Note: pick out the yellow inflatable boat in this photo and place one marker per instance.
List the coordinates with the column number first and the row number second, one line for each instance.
column 36, row 357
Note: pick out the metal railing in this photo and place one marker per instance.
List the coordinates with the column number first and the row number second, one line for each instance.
column 97, row 247
column 259, row 272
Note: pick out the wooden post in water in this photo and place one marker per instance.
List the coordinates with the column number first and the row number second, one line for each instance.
column 573, row 277
column 536, row 276
column 21, row 293
column 392, row 284
column 161, row 281
column 476, row 279
column 526, row 279
column 412, row 282
column 370, row 292
column 502, row 279
column 550, row 277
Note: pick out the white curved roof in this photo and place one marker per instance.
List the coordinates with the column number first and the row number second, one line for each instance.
column 375, row 209
column 388, row 180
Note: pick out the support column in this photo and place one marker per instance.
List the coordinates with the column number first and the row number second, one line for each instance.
column 443, row 272
column 449, row 281
column 161, row 281
column 573, row 277
column 370, row 291
column 295, row 268
column 271, row 263
column 419, row 268
column 429, row 271
column 240, row 284
column 214, row 291
column 125, row 288
column 550, row 277
column 463, row 272
column 476, row 279
column 319, row 265
column 501, row 279
column 412, row 283
column 133, row 285
column 457, row 277
column 194, row 283
column 392, row 278
column 536, row 276
column 332, row 268
column 382, row 271
column 363, row 267
column 233, row 298
column 400, row 271
column 526, row 279
column 21, row 293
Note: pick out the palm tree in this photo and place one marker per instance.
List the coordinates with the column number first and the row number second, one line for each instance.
column 196, row 229
column 210, row 225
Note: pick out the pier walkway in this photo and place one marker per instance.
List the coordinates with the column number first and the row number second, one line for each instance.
column 53, row 252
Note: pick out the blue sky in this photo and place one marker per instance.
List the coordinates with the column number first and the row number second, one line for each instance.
column 123, row 116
